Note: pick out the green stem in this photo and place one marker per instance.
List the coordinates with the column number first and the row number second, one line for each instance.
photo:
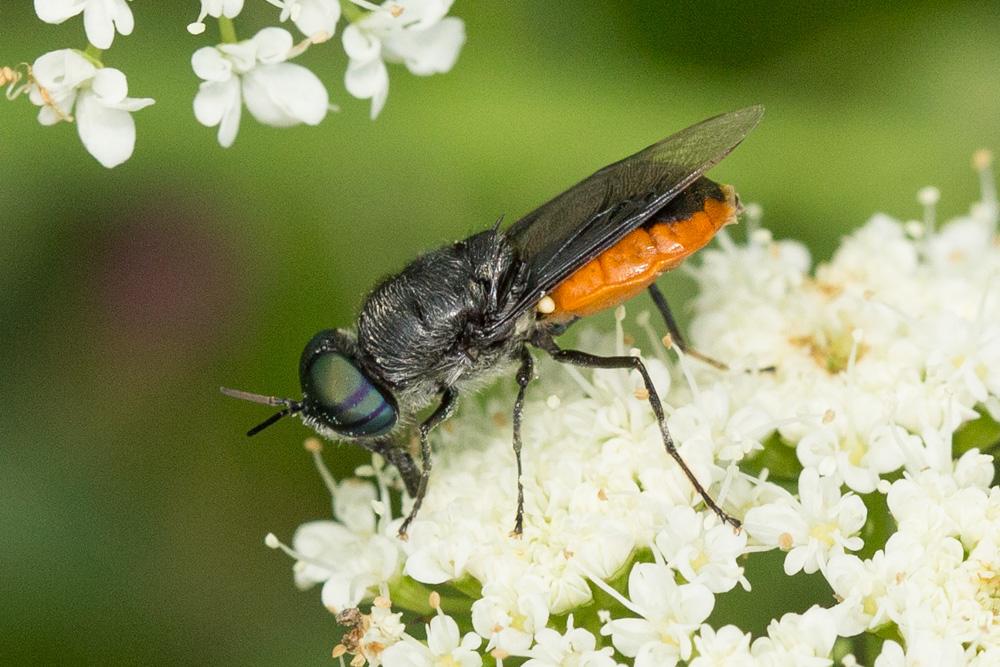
column 93, row 54
column 227, row 30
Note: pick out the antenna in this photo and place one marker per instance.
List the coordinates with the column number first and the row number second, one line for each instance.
column 290, row 406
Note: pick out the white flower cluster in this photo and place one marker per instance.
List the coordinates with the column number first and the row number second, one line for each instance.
column 75, row 86
column 880, row 357
column 71, row 85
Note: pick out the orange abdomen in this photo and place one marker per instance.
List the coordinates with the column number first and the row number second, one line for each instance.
column 632, row 264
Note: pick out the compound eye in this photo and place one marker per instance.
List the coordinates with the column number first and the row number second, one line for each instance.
column 344, row 398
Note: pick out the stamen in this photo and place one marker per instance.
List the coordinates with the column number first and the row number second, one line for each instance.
column 654, row 340
column 982, row 161
column 726, row 241
column 588, row 388
column 434, row 600
column 272, row 542
column 315, row 447
column 753, row 212
column 607, row 588
column 378, row 463
column 619, row 331
column 856, row 336
column 394, row 9
column 686, row 370
column 928, row 197
column 198, row 26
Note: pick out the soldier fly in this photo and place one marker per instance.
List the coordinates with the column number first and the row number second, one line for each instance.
column 471, row 309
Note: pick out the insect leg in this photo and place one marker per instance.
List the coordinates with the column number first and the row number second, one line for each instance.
column 442, row 412
column 675, row 331
column 401, row 459
column 524, row 375
column 577, row 358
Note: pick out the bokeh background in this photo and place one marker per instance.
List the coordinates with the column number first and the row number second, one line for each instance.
column 132, row 509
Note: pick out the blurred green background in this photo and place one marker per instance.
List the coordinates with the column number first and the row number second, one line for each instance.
column 132, row 509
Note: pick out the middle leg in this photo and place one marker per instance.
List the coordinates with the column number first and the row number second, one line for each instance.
column 577, row 358
column 442, row 412
column 524, row 375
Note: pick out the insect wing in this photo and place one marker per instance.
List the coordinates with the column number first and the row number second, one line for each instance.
column 570, row 230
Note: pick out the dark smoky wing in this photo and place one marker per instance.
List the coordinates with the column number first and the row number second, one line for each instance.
column 576, row 226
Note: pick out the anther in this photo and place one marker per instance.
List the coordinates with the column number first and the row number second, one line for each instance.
column 434, row 600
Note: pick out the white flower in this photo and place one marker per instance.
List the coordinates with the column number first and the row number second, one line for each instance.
column 415, row 32
column 726, row 647
column 702, row 549
column 101, row 18
column 216, row 9
column 254, row 72
column 925, row 652
column 856, row 443
column 669, row 612
column 812, row 528
column 68, row 85
column 316, row 19
column 803, row 640
column 445, row 647
column 352, row 556
column 576, row 647
column 509, row 615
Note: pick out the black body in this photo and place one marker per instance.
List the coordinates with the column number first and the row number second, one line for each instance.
column 465, row 312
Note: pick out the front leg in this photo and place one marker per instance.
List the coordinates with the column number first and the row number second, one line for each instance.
column 401, row 459
column 524, row 375
column 442, row 412
column 586, row 360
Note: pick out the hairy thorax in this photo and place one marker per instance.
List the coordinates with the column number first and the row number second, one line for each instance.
column 418, row 330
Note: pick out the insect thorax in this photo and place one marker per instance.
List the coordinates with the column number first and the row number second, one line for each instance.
column 418, row 330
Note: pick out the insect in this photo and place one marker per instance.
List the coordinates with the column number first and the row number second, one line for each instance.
column 471, row 309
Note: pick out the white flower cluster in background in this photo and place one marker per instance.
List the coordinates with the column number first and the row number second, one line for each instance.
column 881, row 356
column 75, row 86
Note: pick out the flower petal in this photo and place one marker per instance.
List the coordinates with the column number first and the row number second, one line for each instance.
column 123, row 19
column 318, row 17
column 209, row 64
column 273, row 45
column 99, row 24
column 359, row 45
column 110, row 85
column 57, row 11
column 285, row 94
column 368, row 80
column 218, row 103
column 426, row 52
column 108, row 134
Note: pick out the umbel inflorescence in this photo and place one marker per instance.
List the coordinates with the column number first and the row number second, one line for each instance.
column 75, row 85
column 865, row 456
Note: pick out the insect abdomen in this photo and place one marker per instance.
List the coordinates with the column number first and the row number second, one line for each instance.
column 632, row 264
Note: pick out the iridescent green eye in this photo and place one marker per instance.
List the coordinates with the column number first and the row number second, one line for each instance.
column 343, row 397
